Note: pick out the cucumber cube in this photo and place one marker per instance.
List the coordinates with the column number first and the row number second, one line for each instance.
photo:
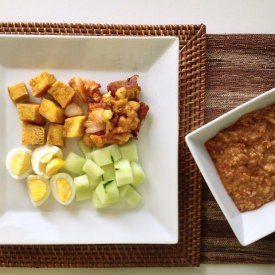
column 130, row 195
column 85, row 149
column 101, row 156
column 94, row 183
column 82, row 188
column 123, row 172
column 109, row 171
column 107, row 192
column 129, row 151
column 92, row 169
column 138, row 174
column 96, row 202
column 115, row 152
column 74, row 163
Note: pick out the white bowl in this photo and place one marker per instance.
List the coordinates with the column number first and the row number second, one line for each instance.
column 249, row 226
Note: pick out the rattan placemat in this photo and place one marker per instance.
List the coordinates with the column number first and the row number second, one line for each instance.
column 239, row 67
column 191, row 113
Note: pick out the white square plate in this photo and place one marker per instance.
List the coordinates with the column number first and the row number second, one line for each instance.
column 249, row 226
column 103, row 59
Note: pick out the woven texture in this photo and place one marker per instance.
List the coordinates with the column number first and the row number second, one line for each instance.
column 191, row 113
column 239, row 67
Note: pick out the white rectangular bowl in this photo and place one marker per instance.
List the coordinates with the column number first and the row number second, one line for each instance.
column 248, row 226
column 103, row 59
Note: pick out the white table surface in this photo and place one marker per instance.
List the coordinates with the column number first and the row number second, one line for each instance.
column 219, row 16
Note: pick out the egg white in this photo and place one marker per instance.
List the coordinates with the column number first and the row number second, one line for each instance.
column 9, row 157
column 69, row 179
column 38, row 167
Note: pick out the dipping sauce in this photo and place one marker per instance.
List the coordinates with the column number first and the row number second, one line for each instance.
column 244, row 156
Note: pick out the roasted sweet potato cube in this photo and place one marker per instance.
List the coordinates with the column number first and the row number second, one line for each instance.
column 29, row 112
column 74, row 127
column 62, row 93
column 32, row 134
column 18, row 92
column 41, row 83
column 55, row 135
column 51, row 111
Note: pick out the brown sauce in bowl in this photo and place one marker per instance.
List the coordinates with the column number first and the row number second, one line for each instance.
column 244, row 156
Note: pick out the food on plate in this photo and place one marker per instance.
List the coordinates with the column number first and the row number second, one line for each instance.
column 92, row 169
column 18, row 163
column 32, row 134
column 63, row 189
column 82, row 188
column 41, row 83
column 51, row 111
column 73, row 109
column 74, row 163
column 55, row 135
column 47, row 160
column 62, row 93
column 38, row 189
column 74, row 127
column 29, row 112
column 131, row 87
column 86, row 90
column 107, row 192
column 104, row 123
column 138, row 174
column 244, row 157
column 115, row 116
column 18, row 92
column 130, row 195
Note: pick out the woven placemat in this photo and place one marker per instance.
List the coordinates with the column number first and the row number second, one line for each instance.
column 191, row 101
column 239, row 67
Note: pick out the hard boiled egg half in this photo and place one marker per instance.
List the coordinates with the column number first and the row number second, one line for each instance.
column 47, row 160
column 38, row 189
column 18, row 163
column 63, row 188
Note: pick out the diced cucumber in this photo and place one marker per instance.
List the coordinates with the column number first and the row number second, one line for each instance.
column 101, row 156
column 85, row 149
column 94, row 183
column 129, row 151
column 107, row 192
column 109, row 171
column 96, row 202
column 138, row 174
column 130, row 195
column 115, row 152
column 82, row 188
column 92, row 169
column 123, row 172
column 74, row 163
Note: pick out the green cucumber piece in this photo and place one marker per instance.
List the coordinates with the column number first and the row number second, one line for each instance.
column 109, row 171
column 92, row 169
column 96, row 202
column 94, row 183
column 115, row 152
column 107, row 192
column 130, row 195
column 123, row 172
column 74, row 163
column 101, row 156
column 82, row 188
column 129, row 151
column 138, row 174
column 85, row 149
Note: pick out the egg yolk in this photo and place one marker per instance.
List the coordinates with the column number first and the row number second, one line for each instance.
column 38, row 189
column 53, row 166
column 20, row 164
column 63, row 189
